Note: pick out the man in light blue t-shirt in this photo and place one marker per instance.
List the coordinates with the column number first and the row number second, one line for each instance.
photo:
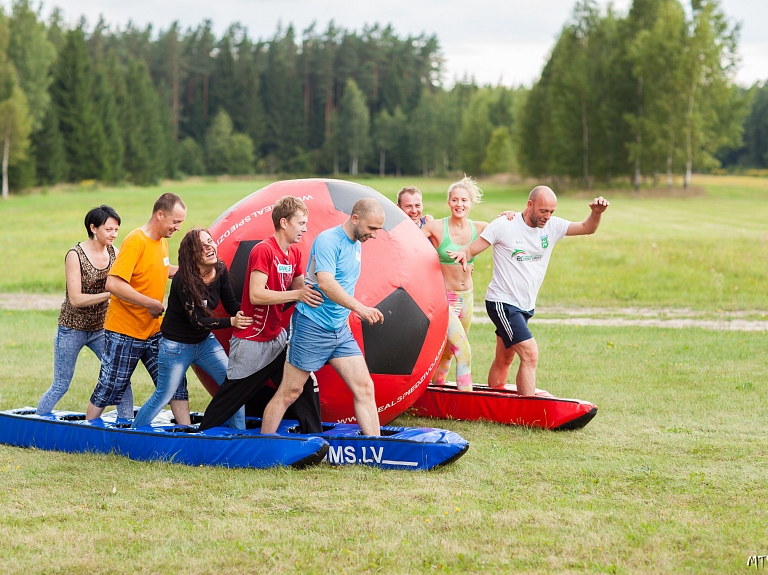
column 521, row 252
column 321, row 335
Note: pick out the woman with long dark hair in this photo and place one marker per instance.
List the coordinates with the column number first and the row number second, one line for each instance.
column 201, row 282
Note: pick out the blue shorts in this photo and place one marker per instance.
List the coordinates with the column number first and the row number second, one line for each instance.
column 122, row 354
column 311, row 346
column 511, row 322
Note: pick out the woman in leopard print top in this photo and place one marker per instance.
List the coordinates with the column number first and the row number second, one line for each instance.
column 81, row 320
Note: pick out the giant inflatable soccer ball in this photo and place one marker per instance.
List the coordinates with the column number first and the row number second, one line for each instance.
column 400, row 276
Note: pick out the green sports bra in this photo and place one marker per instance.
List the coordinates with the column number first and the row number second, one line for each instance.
column 447, row 244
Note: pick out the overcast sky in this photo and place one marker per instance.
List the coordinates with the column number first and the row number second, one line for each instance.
column 492, row 40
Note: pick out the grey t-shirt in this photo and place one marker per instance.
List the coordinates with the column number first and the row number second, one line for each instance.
column 246, row 357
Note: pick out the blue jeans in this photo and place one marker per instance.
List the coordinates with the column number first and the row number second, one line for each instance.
column 122, row 354
column 173, row 361
column 67, row 344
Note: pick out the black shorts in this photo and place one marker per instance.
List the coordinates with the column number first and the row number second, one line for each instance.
column 511, row 323
column 253, row 389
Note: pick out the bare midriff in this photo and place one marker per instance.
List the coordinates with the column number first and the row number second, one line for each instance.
column 456, row 278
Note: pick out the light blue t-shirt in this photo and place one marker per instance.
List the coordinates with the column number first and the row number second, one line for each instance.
column 332, row 252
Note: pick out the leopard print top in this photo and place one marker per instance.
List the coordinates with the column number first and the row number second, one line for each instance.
column 93, row 281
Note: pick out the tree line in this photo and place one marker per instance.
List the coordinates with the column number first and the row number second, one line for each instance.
column 647, row 94
column 113, row 105
column 643, row 94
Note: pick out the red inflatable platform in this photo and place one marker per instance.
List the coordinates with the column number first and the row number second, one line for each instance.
column 542, row 410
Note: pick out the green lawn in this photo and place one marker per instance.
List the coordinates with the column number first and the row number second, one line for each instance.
column 670, row 476
column 705, row 253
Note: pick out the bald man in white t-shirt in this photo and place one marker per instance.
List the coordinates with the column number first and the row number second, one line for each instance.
column 521, row 253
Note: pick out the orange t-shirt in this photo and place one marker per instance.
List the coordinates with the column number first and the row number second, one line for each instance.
column 143, row 263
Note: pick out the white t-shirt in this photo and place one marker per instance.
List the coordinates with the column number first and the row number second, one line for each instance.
column 520, row 258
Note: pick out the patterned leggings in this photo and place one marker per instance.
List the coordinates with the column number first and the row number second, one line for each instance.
column 459, row 320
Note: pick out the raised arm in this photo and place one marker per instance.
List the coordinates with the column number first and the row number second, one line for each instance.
column 333, row 290
column 590, row 225
column 74, row 278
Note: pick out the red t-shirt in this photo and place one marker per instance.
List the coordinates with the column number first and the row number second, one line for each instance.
column 268, row 258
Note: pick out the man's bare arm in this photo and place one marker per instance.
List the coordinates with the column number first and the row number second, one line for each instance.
column 590, row 225
column 333, row 290
column 120, row 288
column 466, row 253
column 260, row 295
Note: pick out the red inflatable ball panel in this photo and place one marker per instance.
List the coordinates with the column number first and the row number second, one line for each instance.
column 400, row 276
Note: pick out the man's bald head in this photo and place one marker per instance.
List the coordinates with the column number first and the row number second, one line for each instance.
column 366, row 220
column 542, row 203
column 542, row 192
column 366, row 208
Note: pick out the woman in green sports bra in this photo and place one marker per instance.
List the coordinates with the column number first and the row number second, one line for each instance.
column 449, row 234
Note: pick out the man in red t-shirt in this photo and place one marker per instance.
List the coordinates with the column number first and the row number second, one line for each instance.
column 257, row 353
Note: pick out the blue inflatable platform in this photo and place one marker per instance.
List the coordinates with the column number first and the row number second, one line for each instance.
column 69, row 431
column 338, row 444
column 397, row 448
column 413, row 448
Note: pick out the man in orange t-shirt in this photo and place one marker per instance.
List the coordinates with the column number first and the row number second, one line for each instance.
column 137, row 283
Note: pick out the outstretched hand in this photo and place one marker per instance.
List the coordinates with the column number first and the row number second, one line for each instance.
column 599, row 205
column 460, row 257
column 509, row 214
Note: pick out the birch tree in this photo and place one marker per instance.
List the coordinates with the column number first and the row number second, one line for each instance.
column 384, row 137
column 16, row 125
column 714, row 113
column 658, row 55
column 354, row 126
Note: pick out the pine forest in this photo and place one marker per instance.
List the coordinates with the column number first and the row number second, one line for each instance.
column 634, row 97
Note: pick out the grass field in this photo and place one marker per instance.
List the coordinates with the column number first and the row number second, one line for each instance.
column 670, row 477
column 706, row 252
